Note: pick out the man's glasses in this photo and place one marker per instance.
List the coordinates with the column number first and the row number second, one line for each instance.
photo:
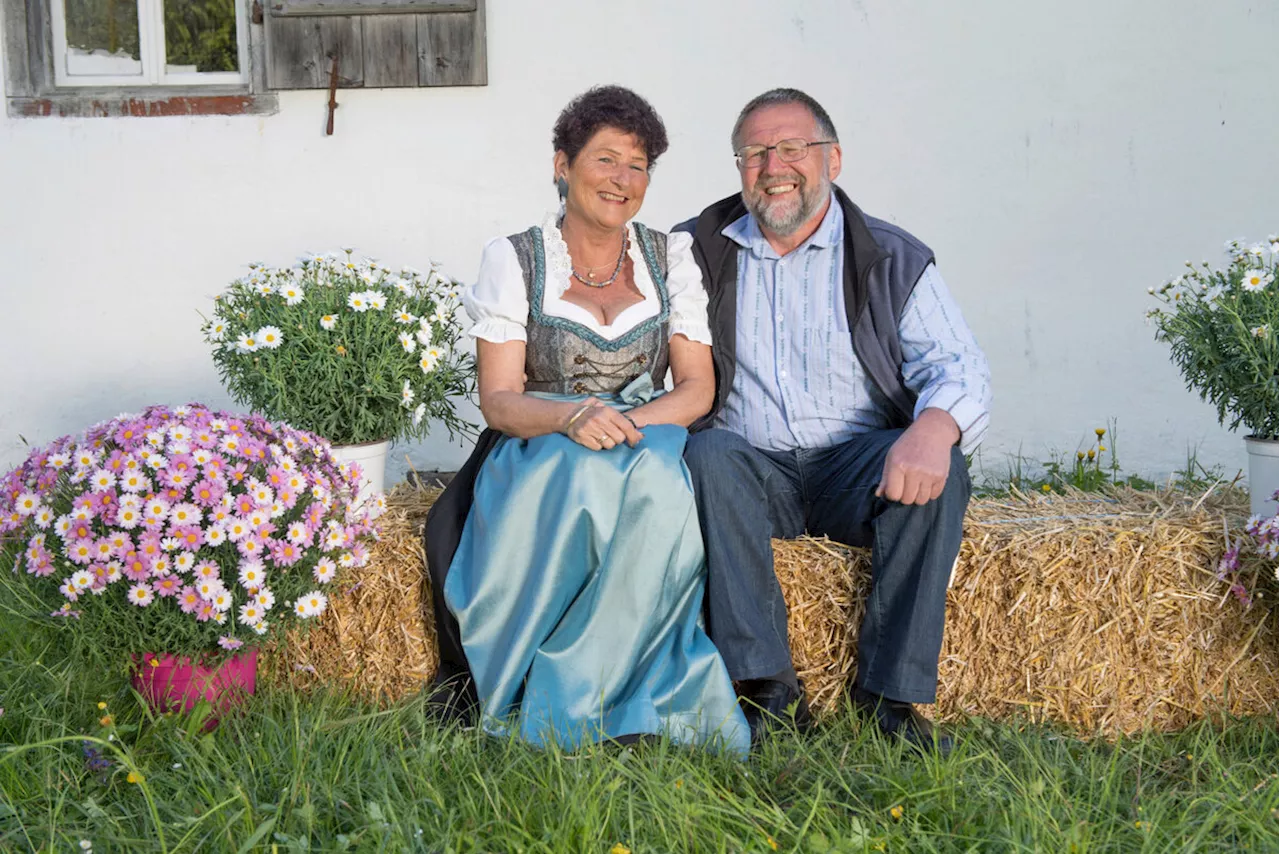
column 789, row 151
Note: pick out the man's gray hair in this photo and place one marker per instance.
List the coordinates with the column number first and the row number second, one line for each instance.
column 776, row 97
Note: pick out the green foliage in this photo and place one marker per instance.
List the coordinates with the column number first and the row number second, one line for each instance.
column 323, row 772
column 196, row 32
column 201, row 33
column 1222, row 330
column 110, row 25
column 344, row 348
column 1094, row 467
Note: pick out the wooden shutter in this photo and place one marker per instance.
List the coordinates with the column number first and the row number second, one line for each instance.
column 379, row 43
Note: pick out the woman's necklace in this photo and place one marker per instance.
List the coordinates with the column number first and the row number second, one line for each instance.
column 591, row 276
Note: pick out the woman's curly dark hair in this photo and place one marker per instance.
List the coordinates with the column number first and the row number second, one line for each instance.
column 614, row 107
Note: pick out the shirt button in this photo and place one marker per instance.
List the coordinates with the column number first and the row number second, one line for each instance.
column 782, row 374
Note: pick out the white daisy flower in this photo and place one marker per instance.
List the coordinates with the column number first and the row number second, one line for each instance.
column 134, row 481
column 216, row 331
column 183, row 561
column 407, row 342
column 238, row 529
column 406, row 316
column 377, row 300
column 292, row 293
column 251, row 614
column 1259, row 331
column 406, row 395
column 141, row 595
column 186, row 513
column 325, row 570
column 265, row 599
column 346, row 560
column 81, row 580
column 170, row 544
column 43, row 517
column 161, row 565
column 261, row 628
column 427, row 363
column 58, row 461
column 405, row 288
column 1255, row 280
column 208, row 588
column 215, row 535
column 220, row 617
column 358, row 301
column 270, row 336
column 28, row 503
column 247, row 344
column 252, row 575
column 418, row 413
column 221, row 601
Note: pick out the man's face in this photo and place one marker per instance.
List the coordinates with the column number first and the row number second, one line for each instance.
column 784, row 196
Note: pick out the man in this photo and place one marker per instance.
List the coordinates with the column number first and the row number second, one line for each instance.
column 848, row 391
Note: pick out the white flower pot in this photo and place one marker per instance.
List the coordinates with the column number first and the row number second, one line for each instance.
column 1264, row 475
column 372, row 458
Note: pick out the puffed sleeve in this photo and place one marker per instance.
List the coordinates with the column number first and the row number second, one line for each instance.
column 497, row 302
column 684, row 286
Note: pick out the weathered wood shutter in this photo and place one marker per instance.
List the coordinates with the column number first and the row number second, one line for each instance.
column 379, row 43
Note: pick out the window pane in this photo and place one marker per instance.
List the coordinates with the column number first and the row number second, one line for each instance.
column 102, row 37
column 200, row 35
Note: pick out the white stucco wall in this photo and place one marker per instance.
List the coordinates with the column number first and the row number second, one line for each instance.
column 1058, row 157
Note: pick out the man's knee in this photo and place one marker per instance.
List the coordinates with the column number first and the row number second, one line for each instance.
column 709, row 450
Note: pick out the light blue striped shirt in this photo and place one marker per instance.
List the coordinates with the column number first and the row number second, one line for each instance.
column 798, row 383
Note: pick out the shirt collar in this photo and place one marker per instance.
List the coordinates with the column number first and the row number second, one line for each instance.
column 745, row 232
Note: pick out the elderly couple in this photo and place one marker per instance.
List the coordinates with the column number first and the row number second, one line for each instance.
column 601, row 566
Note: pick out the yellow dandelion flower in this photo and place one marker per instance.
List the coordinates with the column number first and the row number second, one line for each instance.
column 1047, row 488
column 1141, row 825
column 897, row 812
column 342, row 351
column 619, row 848
column 105, row 720
column 1079, row 455
column 773, row 843
column 154, row 662
column 1100, row 431
column 101, row 705
column 1092, row 454
column 1101, row 448
column 679, row 783
column 133, row 778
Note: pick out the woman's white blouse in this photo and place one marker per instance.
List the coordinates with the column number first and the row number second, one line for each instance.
column 499, row 306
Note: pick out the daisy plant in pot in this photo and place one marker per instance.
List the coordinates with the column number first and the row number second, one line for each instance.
column 180, row 539
column 1220, row 325
column 345, row 348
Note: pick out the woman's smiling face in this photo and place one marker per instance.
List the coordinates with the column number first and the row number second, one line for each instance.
column 608, row 178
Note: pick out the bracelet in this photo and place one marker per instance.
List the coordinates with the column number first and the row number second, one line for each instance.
column 632, row 420
column 575, row 416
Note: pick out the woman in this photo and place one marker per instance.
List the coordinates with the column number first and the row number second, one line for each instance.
column 578, row 579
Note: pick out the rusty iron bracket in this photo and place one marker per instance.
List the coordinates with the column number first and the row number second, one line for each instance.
column 333, row 96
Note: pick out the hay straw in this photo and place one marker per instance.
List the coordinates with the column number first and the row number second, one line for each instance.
column 1100, row 613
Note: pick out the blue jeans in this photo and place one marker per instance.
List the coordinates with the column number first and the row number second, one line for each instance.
column 746, row 495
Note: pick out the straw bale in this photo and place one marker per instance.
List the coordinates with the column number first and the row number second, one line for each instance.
column 1100, row 613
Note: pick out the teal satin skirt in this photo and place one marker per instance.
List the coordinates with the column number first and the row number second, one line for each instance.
column 578, row 587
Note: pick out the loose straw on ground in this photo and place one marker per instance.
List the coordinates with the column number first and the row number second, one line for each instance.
column 1100, row 613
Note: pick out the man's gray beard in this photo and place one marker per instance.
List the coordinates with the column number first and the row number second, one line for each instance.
column 785, row 225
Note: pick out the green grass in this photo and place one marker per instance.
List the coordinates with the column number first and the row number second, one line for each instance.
column 1094, row 467
column 327, row 773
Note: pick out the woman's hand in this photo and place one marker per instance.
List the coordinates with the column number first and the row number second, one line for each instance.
column 599, row 427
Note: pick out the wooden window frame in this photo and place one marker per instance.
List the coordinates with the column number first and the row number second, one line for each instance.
column 33, row 87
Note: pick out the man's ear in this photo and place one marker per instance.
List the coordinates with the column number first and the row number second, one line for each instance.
column 834, row 161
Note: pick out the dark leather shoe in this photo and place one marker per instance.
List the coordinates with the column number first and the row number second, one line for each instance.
column 770, row 705
column 452, row 699
column 902, row 720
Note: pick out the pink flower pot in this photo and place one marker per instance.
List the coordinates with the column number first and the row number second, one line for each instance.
column 169, row 683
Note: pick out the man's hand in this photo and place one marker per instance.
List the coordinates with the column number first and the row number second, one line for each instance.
column 917, row 465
